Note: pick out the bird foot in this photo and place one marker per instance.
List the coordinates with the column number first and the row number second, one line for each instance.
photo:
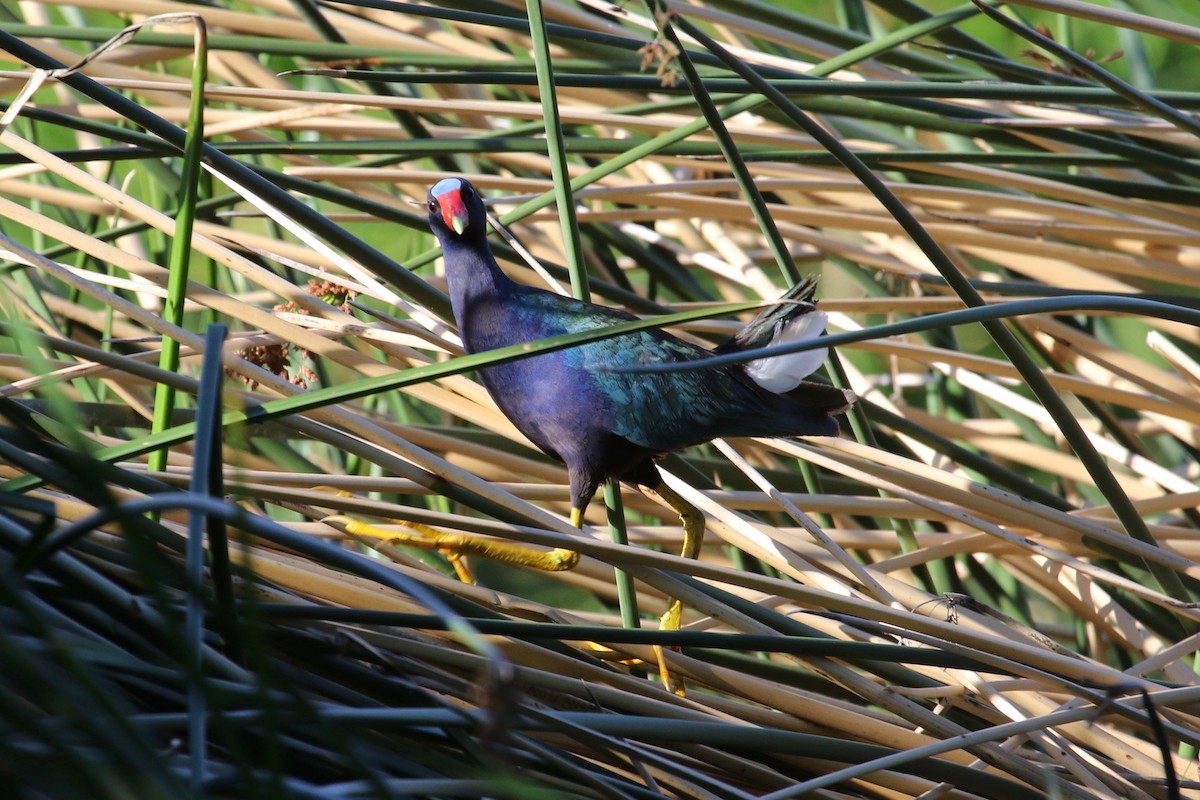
column 456, row 545
column 670, row 621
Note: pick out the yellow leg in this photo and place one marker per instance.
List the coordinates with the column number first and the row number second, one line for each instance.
column 455, row 545
column 693, row 537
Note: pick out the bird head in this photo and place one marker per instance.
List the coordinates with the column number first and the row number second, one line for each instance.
column 456, row 210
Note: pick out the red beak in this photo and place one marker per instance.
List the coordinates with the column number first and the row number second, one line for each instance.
column 454, row 212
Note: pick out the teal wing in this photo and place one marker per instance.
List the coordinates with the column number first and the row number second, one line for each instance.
column 658, row 411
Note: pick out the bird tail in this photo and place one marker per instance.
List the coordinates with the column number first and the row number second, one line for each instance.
column 793, row 318
column 759, row 332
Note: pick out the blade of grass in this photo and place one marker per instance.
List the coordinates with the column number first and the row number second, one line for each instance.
column 557, row 152
column 207, row 479
column 181, row 242
column 206, row 482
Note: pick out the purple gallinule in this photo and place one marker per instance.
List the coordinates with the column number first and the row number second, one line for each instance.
column 606, row 424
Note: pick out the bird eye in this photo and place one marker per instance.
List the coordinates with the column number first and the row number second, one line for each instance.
column 433, row 206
